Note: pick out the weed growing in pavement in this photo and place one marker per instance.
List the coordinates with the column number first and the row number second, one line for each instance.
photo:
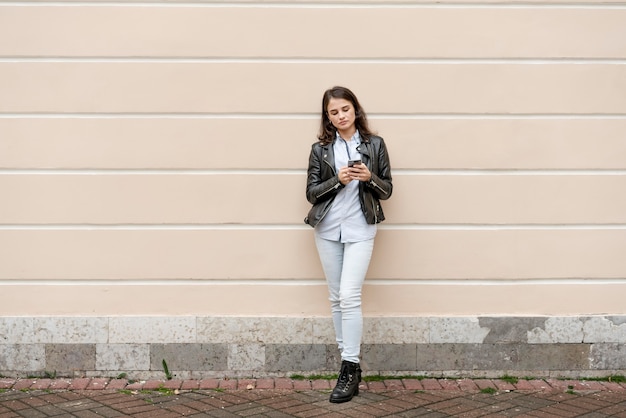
column 50, row 375
column 164, row 391
column 489, row 391
column 2, row 390
column 314, row 377
column 121, row 376
column 379, row 378
column 219, row 390
column 371, row 378
column 509, row 379
column 168, row 375
column 614, row 378
column 125, row 391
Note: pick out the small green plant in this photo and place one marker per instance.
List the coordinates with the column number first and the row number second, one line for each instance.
column 324, row 376
column 164, row 391
column 219, row 390
column 2, row 390
column 489, row 391
column 50, row 375
column 614, row 378
column 509, row 379
column 570, row 390
column 125, row 391
column 168, row 375
column 380, row 378
column 122, row 376
column 314, row 377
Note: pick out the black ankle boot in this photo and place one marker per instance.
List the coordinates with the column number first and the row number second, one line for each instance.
column 348, row 382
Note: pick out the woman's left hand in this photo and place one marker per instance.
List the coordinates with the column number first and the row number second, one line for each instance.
column 359, row 172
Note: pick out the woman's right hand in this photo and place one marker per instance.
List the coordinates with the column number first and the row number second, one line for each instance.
column 344, row 176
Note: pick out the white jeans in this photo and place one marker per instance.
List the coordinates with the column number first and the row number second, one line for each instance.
column 345, row 266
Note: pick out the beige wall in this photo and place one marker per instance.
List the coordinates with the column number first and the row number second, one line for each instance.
column 153, row 155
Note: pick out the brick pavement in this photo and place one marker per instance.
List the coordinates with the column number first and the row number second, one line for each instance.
column 282, row 397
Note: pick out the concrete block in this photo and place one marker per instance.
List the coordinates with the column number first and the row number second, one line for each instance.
column 141, row 330
column 68, row 358
column 466, row 356
column 263, row 330
column 558, row 330
column 333, row 357
column 246, row 357
column 71, row 330
column 610, row 356
column 189, row 356
column 610, row 329
column 397, row 357
column 554, row 356
column 510, row 329
column 323, row 331
column 298, row 357
column 22, row 357
column 396, row 330
column 16, row 330
column 122, row 357
column 457, row 330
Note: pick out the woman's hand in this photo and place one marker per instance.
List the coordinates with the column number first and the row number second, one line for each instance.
column 344, row 175
column 356, row 172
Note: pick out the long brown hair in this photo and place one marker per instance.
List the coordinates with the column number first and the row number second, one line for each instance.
column 327, row 129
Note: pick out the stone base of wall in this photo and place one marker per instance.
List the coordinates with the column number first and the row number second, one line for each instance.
column 204, row 347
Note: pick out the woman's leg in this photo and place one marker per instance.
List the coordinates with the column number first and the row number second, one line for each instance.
column 345, row 266
column 331, row 257
column 356, row 261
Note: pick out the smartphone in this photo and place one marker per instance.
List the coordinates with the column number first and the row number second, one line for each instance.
column 353, row 163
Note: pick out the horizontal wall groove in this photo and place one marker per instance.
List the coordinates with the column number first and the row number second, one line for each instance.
column 315, row 60
column 281, row 116
column 325, row 5
column 273, row 227
column 305, row 282
column 273, row 172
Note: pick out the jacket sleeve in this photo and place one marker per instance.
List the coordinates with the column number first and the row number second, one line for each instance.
column 319, row 188
column 380, row 184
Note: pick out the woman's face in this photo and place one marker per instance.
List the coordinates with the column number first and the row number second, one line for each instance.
column 342, row 115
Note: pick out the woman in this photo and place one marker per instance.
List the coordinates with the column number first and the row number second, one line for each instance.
column 348, row 175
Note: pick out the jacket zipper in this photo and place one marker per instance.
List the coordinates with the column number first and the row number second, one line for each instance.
column 336, row 186
column 377, row 186
column 324, row 214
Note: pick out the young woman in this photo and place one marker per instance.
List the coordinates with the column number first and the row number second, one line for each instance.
column 348, row 175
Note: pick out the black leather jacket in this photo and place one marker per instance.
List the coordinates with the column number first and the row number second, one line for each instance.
column 323, row 182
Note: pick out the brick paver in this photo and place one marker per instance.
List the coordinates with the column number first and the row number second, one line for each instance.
column 282, row 397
